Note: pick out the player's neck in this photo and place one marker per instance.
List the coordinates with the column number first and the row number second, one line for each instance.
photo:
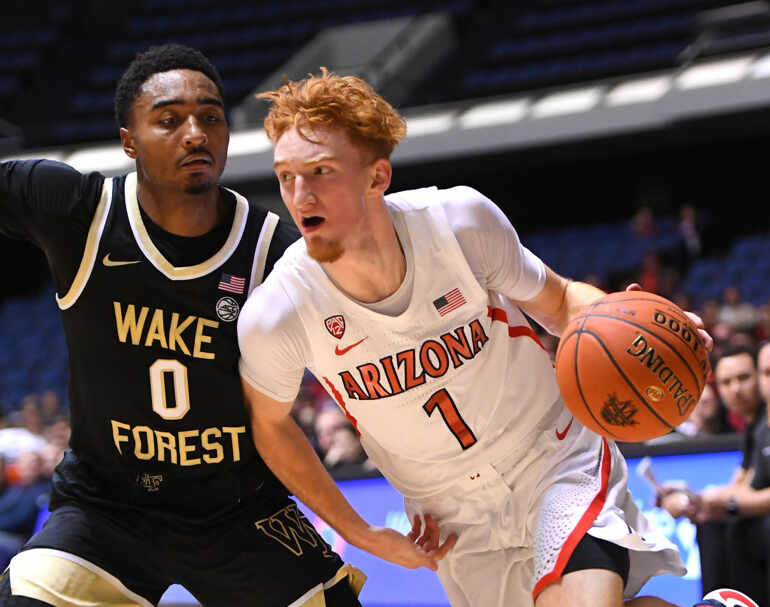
column 182, row 213
column 372, row 268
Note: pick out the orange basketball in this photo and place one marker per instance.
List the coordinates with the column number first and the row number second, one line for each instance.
column 632, row 367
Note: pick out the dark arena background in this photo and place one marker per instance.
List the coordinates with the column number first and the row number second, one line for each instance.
column 626, row 140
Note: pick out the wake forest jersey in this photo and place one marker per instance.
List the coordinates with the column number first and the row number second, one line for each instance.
column 157, row 413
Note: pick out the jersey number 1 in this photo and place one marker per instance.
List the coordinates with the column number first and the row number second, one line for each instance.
column 452, row 417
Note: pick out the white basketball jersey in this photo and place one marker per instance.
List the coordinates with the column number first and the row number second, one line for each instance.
column 456, row 378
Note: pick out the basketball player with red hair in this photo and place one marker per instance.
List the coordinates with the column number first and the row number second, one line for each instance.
column 409, row 309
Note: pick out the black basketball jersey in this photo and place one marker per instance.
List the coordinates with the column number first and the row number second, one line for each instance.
column 157, row 413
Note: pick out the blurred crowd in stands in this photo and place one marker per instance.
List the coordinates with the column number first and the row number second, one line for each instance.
column 32, row 442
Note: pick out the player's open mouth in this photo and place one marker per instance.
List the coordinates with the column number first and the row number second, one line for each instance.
column 312, row 222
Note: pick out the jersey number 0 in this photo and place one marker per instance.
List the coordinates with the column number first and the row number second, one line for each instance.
column 178, row 371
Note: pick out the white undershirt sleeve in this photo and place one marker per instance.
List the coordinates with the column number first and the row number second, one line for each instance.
column 270, row 337
column 491, row 245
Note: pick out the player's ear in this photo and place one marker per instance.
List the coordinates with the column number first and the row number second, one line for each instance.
column 381, row 173
column 127, row 141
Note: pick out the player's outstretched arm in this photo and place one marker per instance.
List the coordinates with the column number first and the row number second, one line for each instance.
column 287, row 452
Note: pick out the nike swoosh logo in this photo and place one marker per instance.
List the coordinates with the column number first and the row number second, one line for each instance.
column 561, row 435
column 340, row 351
column 111, row 264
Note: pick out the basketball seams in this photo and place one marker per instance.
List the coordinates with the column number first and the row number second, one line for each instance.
column 579, row 332
column 627, row 379
column 648, row 330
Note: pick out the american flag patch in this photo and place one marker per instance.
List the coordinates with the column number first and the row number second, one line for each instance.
column 234, row 284
column 449, row 301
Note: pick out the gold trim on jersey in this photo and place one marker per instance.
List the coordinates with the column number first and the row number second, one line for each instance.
column 263, row 246
column 156, row 257
column 91, row 249
column 64, row 580
column 315, row 596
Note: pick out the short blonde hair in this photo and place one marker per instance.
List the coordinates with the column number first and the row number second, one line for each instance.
column 329, row 100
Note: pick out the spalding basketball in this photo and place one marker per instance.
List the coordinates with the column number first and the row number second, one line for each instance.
column 632, row 366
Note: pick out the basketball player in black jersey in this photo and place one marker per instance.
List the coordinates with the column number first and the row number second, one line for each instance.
column 161, row 483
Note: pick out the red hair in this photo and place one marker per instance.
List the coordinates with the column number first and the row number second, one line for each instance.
column 332, row 101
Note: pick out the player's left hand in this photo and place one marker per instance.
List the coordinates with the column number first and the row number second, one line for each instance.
column 708, row 341
column 428, row 538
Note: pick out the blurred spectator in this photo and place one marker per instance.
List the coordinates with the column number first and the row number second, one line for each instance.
column 668, row 283
column 762, row 330
column 709, row 313
column 328, row 420
column 29, row 415
column 305, row 409
column 650, row 274
column 51, row 455
column 20, row 502
column 57, row 431
column 763, row 370
column 683, row 300
column 337, row 441
column 345, row 448
column 50, row 406
column 643, row 222
column 15, row 440
column 707, row 417
column 724, row 561
column 690, row 228
column 32, row 417
column 736, row 313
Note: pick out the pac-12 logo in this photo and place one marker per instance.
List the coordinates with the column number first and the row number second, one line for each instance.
column 335, row 325
column 227, row 309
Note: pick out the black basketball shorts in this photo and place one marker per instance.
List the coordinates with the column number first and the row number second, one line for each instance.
column 272, row 561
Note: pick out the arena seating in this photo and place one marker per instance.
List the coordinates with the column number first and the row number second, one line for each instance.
column 503, row 47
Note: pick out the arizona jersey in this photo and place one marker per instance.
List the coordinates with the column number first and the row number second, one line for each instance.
column 157, row 413
column 452, row 377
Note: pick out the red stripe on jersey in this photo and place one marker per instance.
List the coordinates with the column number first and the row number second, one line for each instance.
column 341, row 402
column 498, row 314
column 584, row 524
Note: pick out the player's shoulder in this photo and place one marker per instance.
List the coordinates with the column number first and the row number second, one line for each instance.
column 461, row 196
column 285, row 276
column 51, row 172
column 271, row 307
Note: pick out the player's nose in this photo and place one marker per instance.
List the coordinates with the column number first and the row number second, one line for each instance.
column 303, row 194
column 194, row 134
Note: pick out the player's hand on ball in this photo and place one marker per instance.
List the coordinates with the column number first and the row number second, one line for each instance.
column 708, row 341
